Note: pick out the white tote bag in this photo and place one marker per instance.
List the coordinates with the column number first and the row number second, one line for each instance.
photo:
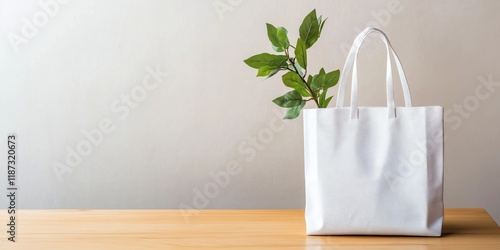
column 374, row 170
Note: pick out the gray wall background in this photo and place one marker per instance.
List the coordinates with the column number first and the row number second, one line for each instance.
column 72, row 69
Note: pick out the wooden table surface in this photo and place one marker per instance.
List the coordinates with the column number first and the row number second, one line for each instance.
column 224, row 229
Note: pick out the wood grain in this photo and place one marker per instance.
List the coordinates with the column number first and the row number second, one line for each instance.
column 225, row 229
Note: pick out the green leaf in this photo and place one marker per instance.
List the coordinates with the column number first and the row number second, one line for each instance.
column 301, row 53
column 272, row 33
column 321, row 98
column 265, row 70
column 309, row 80
column 289, row 100
column 331, row 79
column 278, row 37
column 309, row 29
column 326, row 102
column 300, row 69
column 274, row 72
column 321, row 24
column 294, row 112
column 266, row 59
column 293, row 80
column 277, row 49
column 283, row 37
column 318, row 80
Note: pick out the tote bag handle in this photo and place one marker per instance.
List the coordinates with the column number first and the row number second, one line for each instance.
column 350, row 64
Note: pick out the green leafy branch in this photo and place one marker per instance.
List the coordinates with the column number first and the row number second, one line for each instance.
column 305, row 87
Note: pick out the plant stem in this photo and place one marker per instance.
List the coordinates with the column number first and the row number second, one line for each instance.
column 305, row 82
